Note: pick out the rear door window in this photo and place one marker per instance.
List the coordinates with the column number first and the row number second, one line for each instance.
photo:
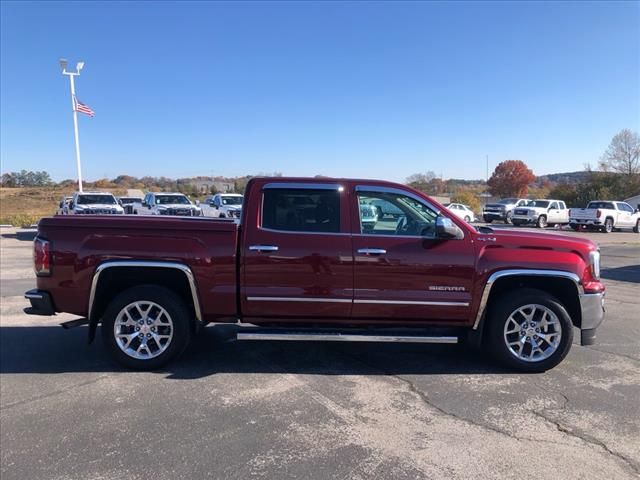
column 301, row 210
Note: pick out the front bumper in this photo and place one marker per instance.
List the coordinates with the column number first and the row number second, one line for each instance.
column 495, row 215
column 524, row 220
column 592, row 309
column 41, row 303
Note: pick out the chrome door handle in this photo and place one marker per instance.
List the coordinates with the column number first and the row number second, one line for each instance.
column 263, row 248
column 372, row 251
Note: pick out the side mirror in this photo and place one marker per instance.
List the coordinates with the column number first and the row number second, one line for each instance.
column 446, row 229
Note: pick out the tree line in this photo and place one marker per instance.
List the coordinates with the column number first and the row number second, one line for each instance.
column 26, row 178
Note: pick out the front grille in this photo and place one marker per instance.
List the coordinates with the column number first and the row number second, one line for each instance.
column 99, row 211
column 521, row 212
column 179, row 211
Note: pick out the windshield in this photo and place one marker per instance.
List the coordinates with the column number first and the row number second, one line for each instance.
column 172, row 199
column 507, row 201
column 93, row 199
column 539, row 203
column 231, row 200
column 127, row 201
column 603, row 205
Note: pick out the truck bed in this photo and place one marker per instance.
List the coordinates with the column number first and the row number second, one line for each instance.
column 208, row 246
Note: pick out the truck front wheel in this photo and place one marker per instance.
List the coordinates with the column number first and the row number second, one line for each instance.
column 529, row 330
column 145, row 327
column 636, row 229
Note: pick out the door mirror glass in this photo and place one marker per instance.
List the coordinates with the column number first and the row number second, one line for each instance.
column 446, row 229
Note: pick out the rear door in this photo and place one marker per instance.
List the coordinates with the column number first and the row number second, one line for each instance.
column 402, row 272
column 625, row 215
column 296, row 259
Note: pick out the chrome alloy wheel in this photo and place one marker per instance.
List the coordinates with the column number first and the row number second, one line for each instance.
column 143, row 330
column 532, row 333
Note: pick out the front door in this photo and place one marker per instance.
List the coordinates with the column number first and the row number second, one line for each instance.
column 401, row 270
column 297, row 261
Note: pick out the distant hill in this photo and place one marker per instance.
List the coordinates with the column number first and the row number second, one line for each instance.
column 567, row 177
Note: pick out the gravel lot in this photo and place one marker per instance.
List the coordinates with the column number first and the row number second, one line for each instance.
column 316, row 411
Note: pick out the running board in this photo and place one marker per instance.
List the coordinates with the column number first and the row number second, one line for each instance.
column 343, row 337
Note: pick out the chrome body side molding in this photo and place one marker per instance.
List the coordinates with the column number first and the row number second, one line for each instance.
column 343, row 337
column 521, row 273
column 412, row 302
column 144, row 264
column 299, row 299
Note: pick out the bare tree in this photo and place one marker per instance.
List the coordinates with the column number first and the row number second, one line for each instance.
column 623, row 154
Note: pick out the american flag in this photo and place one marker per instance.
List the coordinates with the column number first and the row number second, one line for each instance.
column 82, row 108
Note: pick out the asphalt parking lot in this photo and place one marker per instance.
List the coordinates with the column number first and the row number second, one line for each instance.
column 316, row 411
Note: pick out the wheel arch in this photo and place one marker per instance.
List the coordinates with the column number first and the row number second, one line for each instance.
column 112, row 277
column 565, row 286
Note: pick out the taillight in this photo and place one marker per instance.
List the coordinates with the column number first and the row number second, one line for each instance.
column 41, row 257
column 598, row 213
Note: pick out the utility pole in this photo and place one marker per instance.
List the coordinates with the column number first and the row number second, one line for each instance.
column 71, row 75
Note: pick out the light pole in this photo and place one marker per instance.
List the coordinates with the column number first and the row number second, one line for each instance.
column 79, row 66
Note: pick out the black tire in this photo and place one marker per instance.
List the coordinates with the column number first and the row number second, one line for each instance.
column 608, row 225
column 542, row 221
column 467, row 219
column 498, row 315
column 507, row 219
column 176, row 310
column 516, row 223
column 575, row 228
column 488, row 220
column 636, row 229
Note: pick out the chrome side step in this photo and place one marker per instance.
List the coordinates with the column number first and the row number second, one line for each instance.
column 343, row 337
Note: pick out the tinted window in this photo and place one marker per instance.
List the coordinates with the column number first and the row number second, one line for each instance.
column 540, row 204
column 93, row 199
column 395, row 214
column 625, row 208
column 602, row 205
column 301, row 210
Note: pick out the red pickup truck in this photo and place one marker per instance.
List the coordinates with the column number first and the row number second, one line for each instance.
column 320, row 259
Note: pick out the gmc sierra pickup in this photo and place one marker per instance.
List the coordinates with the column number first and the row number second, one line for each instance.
column 302, row 264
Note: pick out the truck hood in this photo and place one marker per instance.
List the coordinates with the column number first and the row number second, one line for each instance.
column 496, row 205
column 539, row 241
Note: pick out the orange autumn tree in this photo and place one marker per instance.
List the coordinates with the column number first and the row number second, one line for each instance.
column 511, row 178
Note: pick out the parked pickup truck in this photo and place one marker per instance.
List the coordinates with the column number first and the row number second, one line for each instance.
column 502, row 209
column 300, row 265
column 605, row 216
column 541, row 213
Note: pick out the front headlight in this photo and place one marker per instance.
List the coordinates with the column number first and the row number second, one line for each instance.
column 594, row 263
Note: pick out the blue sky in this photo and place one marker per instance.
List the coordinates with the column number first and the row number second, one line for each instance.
column 379, row 90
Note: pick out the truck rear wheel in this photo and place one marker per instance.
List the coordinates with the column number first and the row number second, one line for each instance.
column 507, row 218
column 529, row 330
column 608, row 226
column 145, row 327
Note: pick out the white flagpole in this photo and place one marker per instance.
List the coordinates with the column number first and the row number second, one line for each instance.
column 75, row 130
column 79, row 66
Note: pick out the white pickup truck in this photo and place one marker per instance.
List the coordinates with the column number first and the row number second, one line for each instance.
column 541, row 213
column 223, row 205
column 605, row 216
